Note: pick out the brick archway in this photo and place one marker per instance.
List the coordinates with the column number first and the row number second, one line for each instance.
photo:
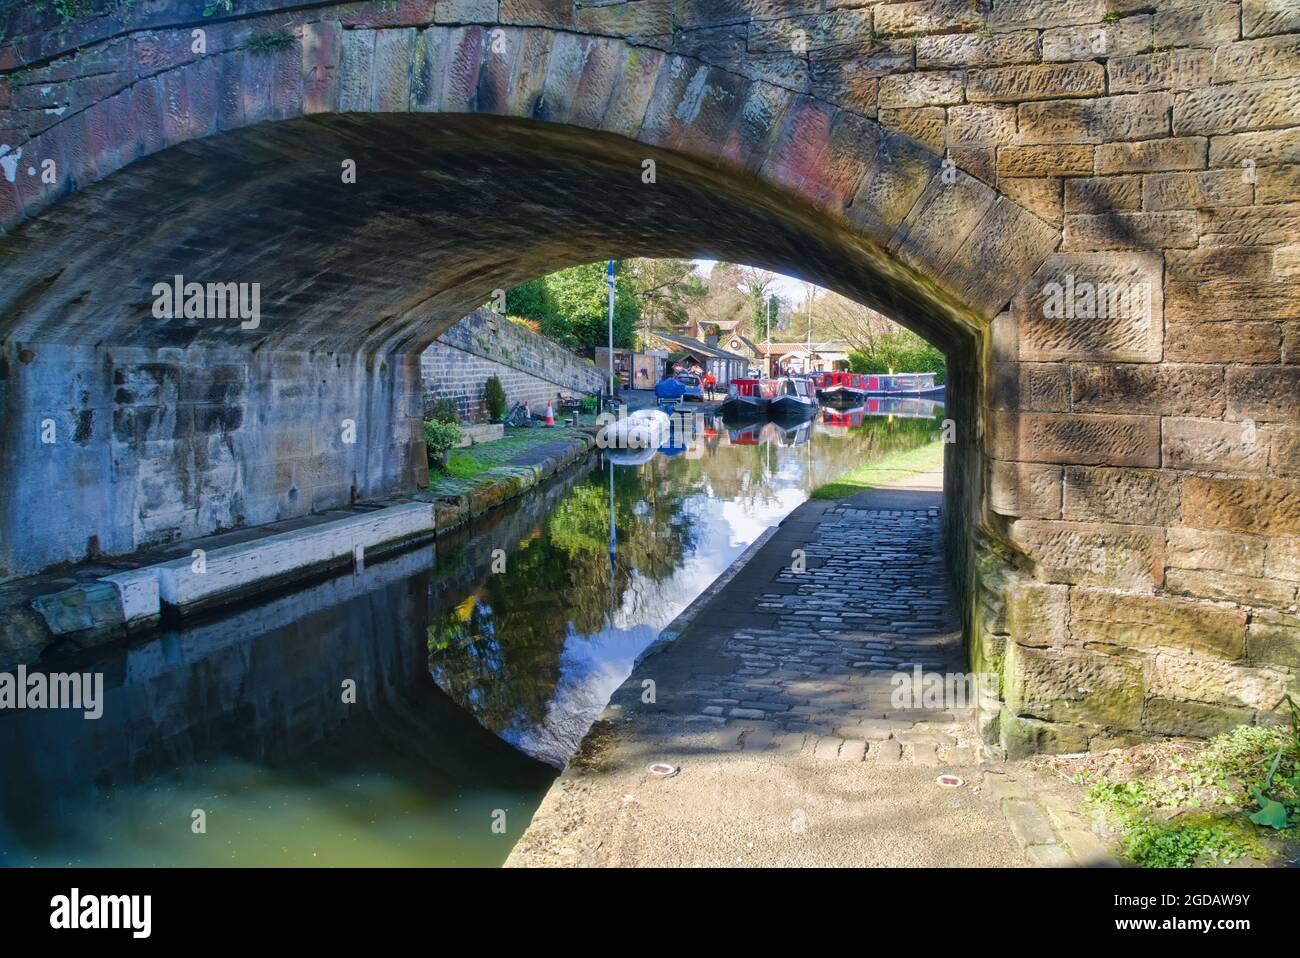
column 1129, row 468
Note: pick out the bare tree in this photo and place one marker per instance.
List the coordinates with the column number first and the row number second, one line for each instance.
column 857, row 326
column 756, row 282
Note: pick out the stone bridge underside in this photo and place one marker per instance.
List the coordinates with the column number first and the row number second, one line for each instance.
column 1124, row 497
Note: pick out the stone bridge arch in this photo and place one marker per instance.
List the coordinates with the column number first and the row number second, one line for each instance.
column 1130, row 479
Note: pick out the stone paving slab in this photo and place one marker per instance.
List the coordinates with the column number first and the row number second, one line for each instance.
column 787, row 674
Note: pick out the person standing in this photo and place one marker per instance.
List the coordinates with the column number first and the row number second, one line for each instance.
column 709, row 382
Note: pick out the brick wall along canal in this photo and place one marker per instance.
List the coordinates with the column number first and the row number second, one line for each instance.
column 473, row 682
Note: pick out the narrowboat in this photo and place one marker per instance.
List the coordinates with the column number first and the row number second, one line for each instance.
column 901, row 383
column 840, row 388
column 795, row 397
column 748, row 398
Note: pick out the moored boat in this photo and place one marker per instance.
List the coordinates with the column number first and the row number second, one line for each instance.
column 841, row 388
column 901, row 383
column 795, row 398
column 747, row 398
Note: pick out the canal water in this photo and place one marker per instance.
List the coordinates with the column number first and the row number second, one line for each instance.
column 414, row 713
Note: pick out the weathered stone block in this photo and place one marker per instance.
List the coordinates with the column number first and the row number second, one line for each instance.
column 899, row 174
column 392, row 73
column 1283, row 559
column 1039, row 195
column 1260, row 506
column 1045, row 160
column 1152, row 156
column 1267, row 147
column 1123, row 230
column 999, row 256
column 1037, row 613
column 1220, row 262
column 1229, row 587
column 1025, row 489
column 1118, row 39
column 1044, row 14
column 1275, row 184
column 1092, row 306
column 1215, row 551
column 1238, row 107
column 944, row 215
column 1264, row 393
column 927, row 16
column 1150, row 622
column 983, row 125
column 1103, row 194
column 1192, row 23
column 1194, row 342
column 1145, row 496
column 974, row 50
column 1036, row 387
column 1273, row 639
column 1067, row 685
column 1285, row 261
column 322, row 49
column 640, row 19
column 1089, row 439
column 1270, row 58
column 1202, row 679
column 560, row 13
column 1021, row 737
column 1284, row 450
column 1189, row 191
column 1209, row 445
column 1262, row 17
column 1195, row 719
column 1081, row 553
column 1136, row 117
column 1250, row 226
column 1167, row 388
column 1036, row 82
column 926, row 125
column 920, row 89
column 1171, row 70
column 837, row 173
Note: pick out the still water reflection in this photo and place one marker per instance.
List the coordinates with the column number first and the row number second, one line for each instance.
column 473, row 682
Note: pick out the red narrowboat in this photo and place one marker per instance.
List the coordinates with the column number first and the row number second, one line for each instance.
column 748, row 398
column 844, row 389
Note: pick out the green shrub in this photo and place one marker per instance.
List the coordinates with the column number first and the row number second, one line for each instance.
column 494, row 394
column 587, row 404
column 903, row 352
column 445, row 410
column 439, row 437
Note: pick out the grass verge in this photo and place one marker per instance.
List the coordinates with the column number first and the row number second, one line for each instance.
column 892, row 468
column 1178, row 804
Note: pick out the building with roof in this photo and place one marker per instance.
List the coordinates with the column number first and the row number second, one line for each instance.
column 705, row 355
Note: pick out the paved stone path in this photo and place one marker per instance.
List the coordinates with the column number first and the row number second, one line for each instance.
column 776, row 702
column 870, row 601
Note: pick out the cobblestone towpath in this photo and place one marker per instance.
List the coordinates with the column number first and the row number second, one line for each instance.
column 773, row 704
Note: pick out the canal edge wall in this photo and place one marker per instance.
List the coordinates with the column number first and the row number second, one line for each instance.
column 532, row 368
column 121, row 603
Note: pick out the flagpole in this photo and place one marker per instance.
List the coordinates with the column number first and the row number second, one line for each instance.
column 609, row 278
column 769, row 337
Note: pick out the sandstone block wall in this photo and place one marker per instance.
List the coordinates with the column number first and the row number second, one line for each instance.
column 531, row 367
column 153, row 445
column 1093, row 205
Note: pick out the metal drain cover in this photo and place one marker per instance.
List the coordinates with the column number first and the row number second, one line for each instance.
column 663, row 770
column 950, row 781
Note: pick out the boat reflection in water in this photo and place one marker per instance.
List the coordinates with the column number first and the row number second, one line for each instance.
column 758, row 433
column 840, row 421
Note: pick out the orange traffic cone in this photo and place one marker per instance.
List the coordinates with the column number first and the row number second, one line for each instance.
column 550, row 414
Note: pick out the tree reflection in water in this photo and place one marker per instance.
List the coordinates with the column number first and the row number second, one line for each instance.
column 534, row 651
